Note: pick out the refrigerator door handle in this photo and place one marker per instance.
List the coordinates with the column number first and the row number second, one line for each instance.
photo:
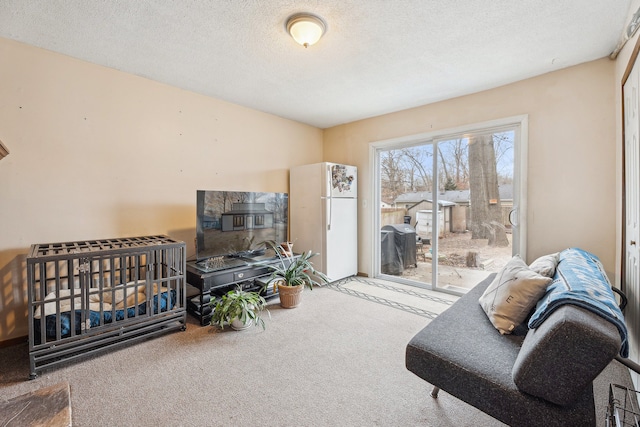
column 328, row 183
column 327, row 206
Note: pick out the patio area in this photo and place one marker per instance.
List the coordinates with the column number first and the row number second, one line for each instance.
column 453, row 273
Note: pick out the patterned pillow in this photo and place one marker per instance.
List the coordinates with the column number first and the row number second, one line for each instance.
column 512, row 295
column 546, row 264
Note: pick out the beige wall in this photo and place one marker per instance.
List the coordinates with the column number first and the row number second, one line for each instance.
column 571, row 158
column 96, row 153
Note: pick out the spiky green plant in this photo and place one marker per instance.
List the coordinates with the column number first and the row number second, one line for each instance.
column 293, row 269
column 245, row 305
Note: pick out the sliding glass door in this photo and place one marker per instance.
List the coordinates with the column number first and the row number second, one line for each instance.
column 449, row 205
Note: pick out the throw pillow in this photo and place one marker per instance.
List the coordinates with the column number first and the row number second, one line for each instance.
column 546, row 264
column 512, row 295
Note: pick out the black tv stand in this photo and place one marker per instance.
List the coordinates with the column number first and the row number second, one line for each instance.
column 211, row 283
column 214, row 264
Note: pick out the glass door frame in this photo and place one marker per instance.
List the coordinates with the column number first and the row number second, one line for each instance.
column 518, row 217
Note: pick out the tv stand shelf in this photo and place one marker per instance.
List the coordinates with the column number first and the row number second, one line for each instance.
column 208, row 285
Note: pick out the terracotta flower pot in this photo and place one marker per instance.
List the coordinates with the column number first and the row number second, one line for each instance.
column 290, row 296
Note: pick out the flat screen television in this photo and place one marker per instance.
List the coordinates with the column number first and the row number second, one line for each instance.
column 231, row 226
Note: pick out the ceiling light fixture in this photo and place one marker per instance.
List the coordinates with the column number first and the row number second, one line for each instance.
column 305, row 28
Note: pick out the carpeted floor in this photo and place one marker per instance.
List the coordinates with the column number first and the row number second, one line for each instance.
column 338, row 359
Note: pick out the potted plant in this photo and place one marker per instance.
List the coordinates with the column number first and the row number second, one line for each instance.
column 292, row 274
column 238, row 308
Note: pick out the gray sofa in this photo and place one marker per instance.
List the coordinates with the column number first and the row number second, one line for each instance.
column 532, row 377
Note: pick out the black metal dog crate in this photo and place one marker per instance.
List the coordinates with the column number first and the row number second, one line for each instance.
column 89, row 296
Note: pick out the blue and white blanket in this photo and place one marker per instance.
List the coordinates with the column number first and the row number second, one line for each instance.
column 580, row 280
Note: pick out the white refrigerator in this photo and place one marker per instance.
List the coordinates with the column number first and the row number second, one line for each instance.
column 323, row 216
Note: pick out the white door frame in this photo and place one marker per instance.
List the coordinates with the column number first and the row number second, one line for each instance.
column 630, row 233
column 520, row 176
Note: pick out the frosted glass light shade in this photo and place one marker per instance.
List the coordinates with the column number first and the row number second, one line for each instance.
column 306, row 29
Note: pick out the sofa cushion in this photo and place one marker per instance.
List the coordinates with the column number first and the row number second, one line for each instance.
column 580, row 280
column 561, row 358
column 574, row 333
column 512, row 295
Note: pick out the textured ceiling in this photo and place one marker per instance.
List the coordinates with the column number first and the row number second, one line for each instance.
column 378, row 56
